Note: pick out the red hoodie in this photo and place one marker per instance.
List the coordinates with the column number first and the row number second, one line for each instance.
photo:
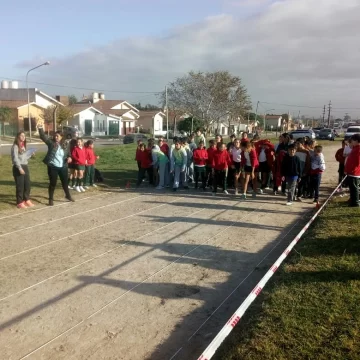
column 138, row 155
column 339, row 156
column 78, row 156
column 90, row 156
column 165, row 149
column 352, row 165
column 253, row 158
column 221, row 160
column 145, row 159
column 210, row 152
column 200, row 156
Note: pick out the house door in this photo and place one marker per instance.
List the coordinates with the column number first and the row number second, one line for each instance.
column 88, row 127
column 113, row 128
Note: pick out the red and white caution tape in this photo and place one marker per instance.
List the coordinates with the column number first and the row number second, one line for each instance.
column 227, row 328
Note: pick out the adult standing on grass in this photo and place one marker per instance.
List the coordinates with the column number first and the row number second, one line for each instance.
column 352, row 169
column 21, row 174
column 56, row 159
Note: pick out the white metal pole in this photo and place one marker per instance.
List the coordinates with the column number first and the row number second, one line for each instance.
column 167, row 114
column 28, row 94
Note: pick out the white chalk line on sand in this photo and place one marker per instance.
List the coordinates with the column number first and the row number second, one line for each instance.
column 136, row 286
column 32, row 210
column 235, row 289
column 95, row 257
column 68, row 216
column 85, row 231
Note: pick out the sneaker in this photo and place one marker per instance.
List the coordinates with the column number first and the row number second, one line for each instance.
column 275, row 192
column 236, row 192
column 86, row 187
column 289, row 203
column 77, row 188
column 253, row 194
column 267, row 188
column 21, row 205
column 261, row 191
column 51, row 202
column 243, row 196
column 70, row 187
column 82, row 189
column 94, row 185
column 226, row 192
column 28, row 203
column 69, row 198
column 299, row 199
column 315, row 201
column 159, row 187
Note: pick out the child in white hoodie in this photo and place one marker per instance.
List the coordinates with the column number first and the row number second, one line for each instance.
column 317, row 168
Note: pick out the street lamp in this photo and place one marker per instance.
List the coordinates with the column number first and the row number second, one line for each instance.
column 28, row 94
column 265, row 118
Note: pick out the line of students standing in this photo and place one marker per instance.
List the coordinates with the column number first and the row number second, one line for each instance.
column 240, row 164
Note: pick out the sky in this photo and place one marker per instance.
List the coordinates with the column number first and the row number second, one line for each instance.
column 292, row 55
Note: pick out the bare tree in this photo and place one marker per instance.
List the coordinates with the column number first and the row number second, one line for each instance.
column 210, row 96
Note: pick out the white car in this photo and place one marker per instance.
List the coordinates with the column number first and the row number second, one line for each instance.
column 352, row 130
column 297, row 134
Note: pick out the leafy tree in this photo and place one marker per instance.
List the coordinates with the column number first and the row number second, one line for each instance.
column 185, row 125
column 147, row 107
column 5, row 114
column 63, row 114
column 72, row 99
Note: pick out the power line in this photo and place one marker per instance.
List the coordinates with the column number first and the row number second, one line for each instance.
column 88, row 89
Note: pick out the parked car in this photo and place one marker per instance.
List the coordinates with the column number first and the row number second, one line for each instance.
column 352, row 130
column 326, row 134
column 133, row 138
column 297, row 134
column 317, row 132
column 70, row 132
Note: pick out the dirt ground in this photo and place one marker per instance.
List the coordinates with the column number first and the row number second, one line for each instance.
column 136, row 275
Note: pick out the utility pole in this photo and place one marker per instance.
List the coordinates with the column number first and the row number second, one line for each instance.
column 323, row 120
column 257, row 106
column 167, row 114
column 328, row 122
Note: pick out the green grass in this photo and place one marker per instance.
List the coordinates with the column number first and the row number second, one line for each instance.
column 310, row 310
column 116, row 164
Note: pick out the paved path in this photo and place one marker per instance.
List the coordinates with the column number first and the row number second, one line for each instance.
column 128, row 275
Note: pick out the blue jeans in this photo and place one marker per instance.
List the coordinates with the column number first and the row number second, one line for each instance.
column 163, row 174
column 315, row 184
column 179, row 176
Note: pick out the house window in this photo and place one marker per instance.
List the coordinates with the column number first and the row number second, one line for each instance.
column 223, row 130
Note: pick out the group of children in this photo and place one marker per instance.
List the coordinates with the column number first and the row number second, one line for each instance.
column 242, row 163
column 82, row 166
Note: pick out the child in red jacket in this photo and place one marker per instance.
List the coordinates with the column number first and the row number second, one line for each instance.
column 200, row 157
column 352, row 169
column 340, row 158
column 90, row 164
column 250, row 163
column 210, row 151
column 78, row 157
column 145, row 159
column 220, row 164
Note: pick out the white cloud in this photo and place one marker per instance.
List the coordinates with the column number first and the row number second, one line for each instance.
column 296, row 51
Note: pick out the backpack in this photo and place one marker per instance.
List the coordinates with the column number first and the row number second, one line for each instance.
column 98, row 176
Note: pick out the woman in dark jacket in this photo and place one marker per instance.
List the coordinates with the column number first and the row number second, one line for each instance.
column 56, row 159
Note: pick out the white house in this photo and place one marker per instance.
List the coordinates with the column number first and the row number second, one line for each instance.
column 98, row 116
column 152, row 122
